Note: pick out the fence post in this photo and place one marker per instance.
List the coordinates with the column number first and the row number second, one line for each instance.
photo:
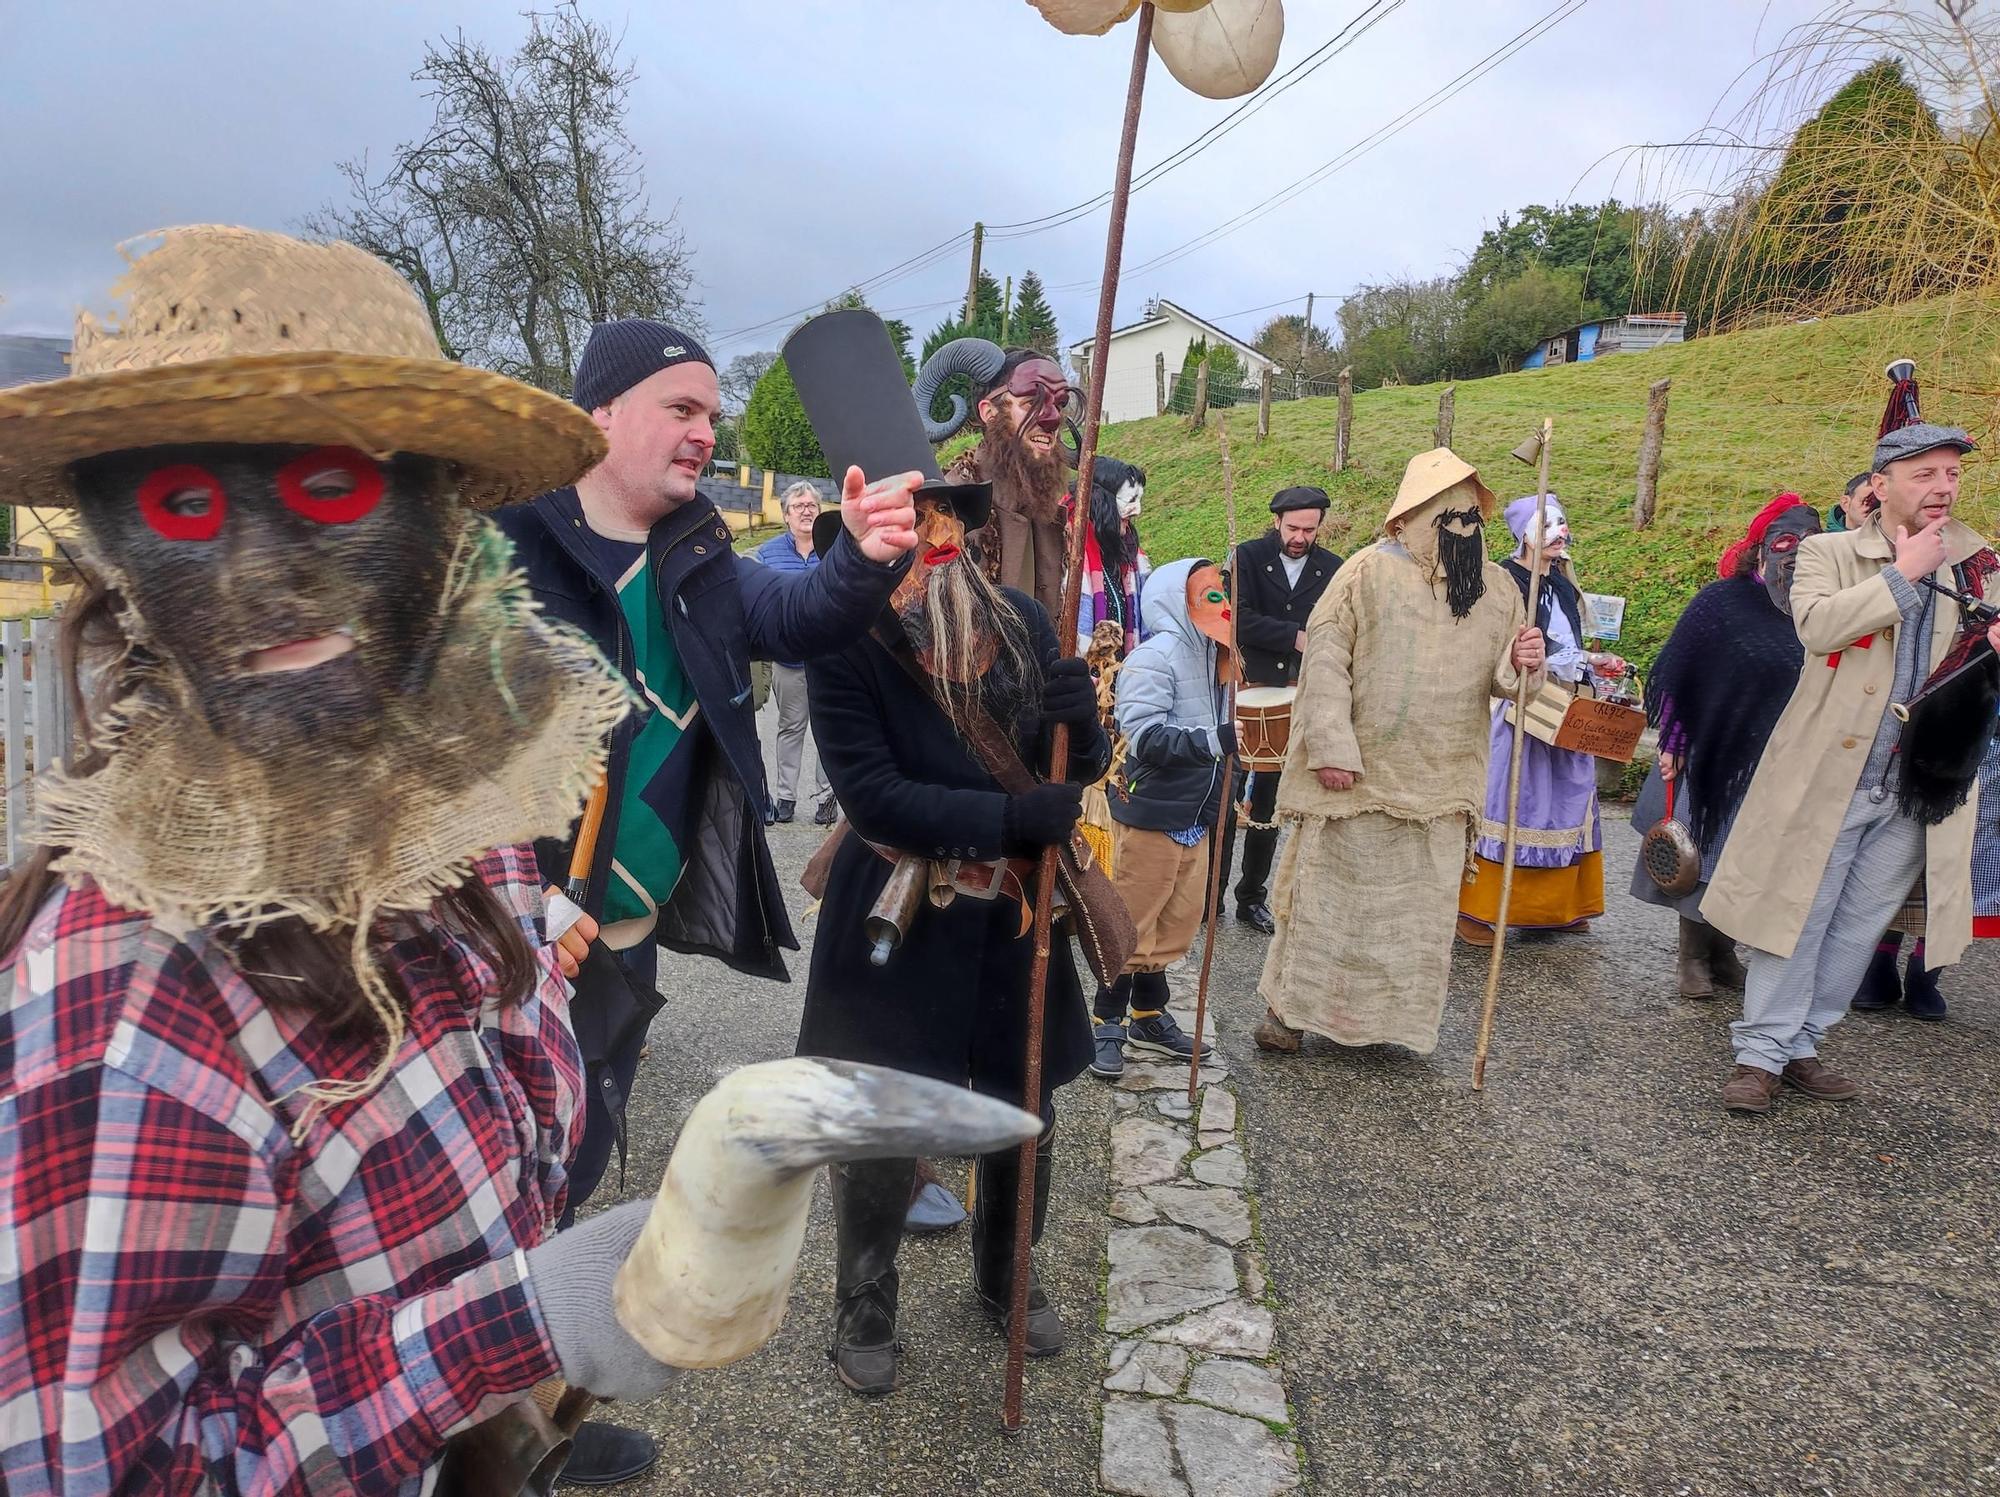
column 1264, row 404
column 1159, row 384
column 46, row 692
column 14, row 743
column 1651, row 443
column 1200, row 416
column 1343, row 431
column 1446, row 402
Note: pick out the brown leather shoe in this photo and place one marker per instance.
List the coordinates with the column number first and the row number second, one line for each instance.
column 1749, row 1090
column 1473, row 933
column 1273, row 1033
column 1819, row 1082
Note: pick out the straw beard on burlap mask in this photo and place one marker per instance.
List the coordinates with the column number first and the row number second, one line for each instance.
column 1447, row 538
column 334, row 695
column 965, row 632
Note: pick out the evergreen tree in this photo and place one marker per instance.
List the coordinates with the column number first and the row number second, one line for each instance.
column 774, row 430
column 988, row 307
column 1180, row 399
column 1033, row 323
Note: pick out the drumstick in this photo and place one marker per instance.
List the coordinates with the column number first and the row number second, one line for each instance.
column 1228, row 763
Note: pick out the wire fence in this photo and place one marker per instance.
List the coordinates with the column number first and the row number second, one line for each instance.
column 1222, row 395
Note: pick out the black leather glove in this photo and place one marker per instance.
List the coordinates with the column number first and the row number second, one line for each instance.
column 1068, row 694
column 1039, row 817
column 1226, row 732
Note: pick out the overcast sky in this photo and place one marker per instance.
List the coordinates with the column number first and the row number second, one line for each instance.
column 805, row 145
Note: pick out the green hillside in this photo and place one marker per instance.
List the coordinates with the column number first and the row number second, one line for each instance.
column 1752, row 414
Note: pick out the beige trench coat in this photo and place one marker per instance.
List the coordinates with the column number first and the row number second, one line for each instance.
column 1771, row 866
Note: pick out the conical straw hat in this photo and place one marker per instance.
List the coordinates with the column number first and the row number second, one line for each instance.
column 1430, row 474
column 238, row 335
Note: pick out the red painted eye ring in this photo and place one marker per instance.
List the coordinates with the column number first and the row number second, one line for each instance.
column 368, row 485
column 158, row 484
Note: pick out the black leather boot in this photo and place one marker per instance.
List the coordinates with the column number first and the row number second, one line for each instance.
column 870, row 1199
column 1881, row 985
column 993, row 1216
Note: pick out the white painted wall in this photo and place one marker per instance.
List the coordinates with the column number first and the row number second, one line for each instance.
column 1129, row 386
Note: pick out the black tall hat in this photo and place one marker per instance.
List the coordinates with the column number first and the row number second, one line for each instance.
column 851, row 383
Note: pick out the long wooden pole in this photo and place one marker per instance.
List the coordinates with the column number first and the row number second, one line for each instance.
column 1065, row 626
column 1210, row 906
column 1536, row 562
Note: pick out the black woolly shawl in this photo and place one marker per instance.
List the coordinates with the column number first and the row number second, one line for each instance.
column 1717, row 691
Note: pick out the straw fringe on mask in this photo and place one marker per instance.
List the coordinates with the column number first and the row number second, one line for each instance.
column 498, row 747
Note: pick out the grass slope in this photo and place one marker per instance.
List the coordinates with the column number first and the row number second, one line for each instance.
column 1752, row 414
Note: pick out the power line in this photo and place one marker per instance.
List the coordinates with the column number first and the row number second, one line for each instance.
column 1365, row 20
column 1532, row 33
column 1297, row 73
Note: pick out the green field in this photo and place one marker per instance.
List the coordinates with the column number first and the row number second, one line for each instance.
column 1752, row 414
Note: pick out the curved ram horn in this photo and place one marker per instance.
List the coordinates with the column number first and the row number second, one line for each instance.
column 977, row 357
column 709, row 1278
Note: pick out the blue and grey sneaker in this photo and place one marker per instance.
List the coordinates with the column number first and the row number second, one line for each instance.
column 1158, row 1034
column 1108, row 1059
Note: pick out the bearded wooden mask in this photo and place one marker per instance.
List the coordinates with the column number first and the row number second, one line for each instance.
column 940, row 543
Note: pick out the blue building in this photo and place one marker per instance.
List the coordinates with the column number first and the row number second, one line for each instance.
column 1598, row 340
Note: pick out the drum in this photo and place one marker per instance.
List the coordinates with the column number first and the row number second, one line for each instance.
column 1264, row 725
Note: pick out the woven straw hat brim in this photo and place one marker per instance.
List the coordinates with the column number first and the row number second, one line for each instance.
column 509, row 440
column 1430, row 474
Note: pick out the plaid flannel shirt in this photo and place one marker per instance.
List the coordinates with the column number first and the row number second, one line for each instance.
column 189, row 1301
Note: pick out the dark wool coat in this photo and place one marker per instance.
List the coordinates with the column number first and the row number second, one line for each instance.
column 1270, row 612
column 952, row 1001
column 723, row 610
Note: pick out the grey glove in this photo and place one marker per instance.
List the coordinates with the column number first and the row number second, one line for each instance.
column 572, row 1274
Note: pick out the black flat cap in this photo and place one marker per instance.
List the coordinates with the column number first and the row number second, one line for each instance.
column 1303, row 497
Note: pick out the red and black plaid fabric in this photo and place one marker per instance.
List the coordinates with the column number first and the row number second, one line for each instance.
column 192, row 1302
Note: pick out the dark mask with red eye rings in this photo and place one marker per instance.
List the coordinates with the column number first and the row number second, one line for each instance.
column 295, row 590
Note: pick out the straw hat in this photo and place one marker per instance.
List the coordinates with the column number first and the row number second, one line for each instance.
column 237, row 335
column 1428, row 475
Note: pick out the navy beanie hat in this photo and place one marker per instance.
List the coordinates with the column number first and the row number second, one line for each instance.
column 620, row 354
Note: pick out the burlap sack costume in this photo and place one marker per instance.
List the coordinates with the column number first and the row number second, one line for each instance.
column 1396, row 687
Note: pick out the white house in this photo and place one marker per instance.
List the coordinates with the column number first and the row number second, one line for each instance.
column 1130, row 389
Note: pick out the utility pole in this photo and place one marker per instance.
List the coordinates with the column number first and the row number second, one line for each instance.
column 972, row 281
column 1305, row 340
column 1006, row 308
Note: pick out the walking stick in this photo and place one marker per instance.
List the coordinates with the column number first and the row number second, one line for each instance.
column 1209, row 910
column 1065, row 627
column 1539, row 443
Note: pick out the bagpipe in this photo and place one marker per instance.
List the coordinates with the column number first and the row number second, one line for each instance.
column 1948, row 721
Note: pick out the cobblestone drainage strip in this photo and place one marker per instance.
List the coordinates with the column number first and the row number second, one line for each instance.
column 1194, row 1401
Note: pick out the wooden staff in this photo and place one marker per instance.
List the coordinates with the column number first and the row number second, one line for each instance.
column 1536, row 562
column 1209, row 910
column 1065, row 626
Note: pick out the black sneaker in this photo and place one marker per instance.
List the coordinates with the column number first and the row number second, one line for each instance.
column 1158, row 1034
column 604, row 1455
column 784, row 812
column 1108, row 1059
column 826, row 813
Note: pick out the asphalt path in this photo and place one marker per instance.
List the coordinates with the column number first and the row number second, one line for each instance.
column 1587, row 1279
column 779, row 1422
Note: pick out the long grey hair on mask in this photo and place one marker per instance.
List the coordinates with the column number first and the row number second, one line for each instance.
column 961, row 608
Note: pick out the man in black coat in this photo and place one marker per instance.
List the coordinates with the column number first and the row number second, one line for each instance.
column 957, row 674
column 636, row 559
column 1279, row 577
